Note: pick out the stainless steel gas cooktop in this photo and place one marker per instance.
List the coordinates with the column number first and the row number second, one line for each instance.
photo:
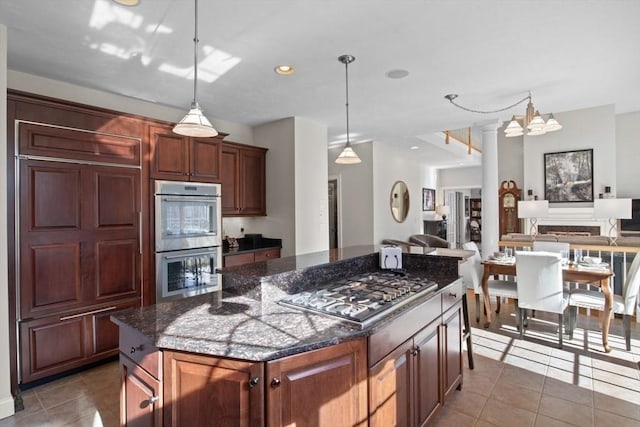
column 364, row 298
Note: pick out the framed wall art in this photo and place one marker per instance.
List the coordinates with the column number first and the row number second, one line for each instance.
column 428, row 199
column 568, row 176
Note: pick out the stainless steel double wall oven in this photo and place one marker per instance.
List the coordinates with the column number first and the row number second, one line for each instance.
column 187, row 238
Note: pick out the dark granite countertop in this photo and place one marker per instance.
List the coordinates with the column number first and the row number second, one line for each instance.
column 251, row 244
column 246, row 322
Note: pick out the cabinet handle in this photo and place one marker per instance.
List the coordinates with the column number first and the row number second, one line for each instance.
column 134, row 349
column 254, row 381
column 86, row 313
column 453, row 294
column 275, row 382
column 153, row 399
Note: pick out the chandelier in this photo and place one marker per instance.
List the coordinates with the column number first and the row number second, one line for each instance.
column 348, row 156
column 195, row 123
column 533, row 122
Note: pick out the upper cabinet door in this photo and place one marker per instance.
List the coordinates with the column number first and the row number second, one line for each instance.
column 205, row 155
column 230, row 180
column 253, row 191
column 169, row 154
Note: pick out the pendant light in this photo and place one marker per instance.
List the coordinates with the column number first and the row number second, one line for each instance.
column 348, row 156
column 194, row 123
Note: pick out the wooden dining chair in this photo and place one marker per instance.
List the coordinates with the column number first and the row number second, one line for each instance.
column 624, row 304
column 540, row 286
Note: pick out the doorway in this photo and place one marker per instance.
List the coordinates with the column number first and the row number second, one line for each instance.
column 333, row 213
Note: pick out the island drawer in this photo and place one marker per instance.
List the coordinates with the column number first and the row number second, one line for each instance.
column 140, row 349
column 401, row 329
column 267, row 255
column 452, row 295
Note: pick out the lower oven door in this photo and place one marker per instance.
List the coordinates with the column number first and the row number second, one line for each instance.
column 186, row 273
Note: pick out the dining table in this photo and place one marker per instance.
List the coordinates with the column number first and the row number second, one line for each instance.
column 572, row 273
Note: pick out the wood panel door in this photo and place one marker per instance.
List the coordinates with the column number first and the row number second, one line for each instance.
column 230, row 180
column 201, row 390
column 79, row 236
column 325, row 387
column 427, row 373
column 169, row 154
column 205, row 156
column 390, row 389
column 452, row 357
column 140, row 397
column 253, row 182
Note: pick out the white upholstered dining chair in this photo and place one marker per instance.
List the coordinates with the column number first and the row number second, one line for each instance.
column 540, row 286
column 624, row 304
column 557, row 247
column 471, row 272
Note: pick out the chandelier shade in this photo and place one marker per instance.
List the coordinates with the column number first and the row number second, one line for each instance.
column 194, row 123
column 347, row 156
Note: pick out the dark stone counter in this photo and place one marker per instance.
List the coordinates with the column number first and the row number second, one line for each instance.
column 246, row 322
column 251, row 244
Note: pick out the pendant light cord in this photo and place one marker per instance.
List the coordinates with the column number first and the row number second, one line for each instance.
column 451, row 98
column 346, row 79
column 195, row 58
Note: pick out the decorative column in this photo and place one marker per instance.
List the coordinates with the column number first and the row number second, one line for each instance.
column 490, row 221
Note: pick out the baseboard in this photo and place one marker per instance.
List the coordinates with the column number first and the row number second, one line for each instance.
column 6, row 407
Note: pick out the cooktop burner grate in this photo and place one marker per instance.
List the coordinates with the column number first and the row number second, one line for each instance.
column 362, row 299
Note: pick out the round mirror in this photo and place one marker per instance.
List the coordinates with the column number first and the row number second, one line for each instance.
column 399, row 201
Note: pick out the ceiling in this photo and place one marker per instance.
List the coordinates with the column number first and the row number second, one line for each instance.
column 572, row 54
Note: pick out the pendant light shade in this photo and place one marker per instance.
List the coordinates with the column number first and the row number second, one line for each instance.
column 348, row 156
column 194, row 123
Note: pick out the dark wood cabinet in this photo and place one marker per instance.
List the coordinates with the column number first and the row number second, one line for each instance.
column 508, row 196
column 201, row 390
column 410, row 384
column 391, row 388
column 325, row 387
column 180, row 158
column 243, row 180
column 140, row 396
column 53, row 344
column 251, row 257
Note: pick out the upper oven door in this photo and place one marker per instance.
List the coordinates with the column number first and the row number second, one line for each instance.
column 185, row 222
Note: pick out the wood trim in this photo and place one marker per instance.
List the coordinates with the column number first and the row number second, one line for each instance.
column 601, row 248
column 449, row 136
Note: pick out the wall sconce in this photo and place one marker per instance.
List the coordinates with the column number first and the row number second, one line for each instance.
column 612, row 210
column 533, row 209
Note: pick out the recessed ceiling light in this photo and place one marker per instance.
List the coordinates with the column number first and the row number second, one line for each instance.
column 128, row 2
column 397, row 74
column 284, row 70
column 415, row 147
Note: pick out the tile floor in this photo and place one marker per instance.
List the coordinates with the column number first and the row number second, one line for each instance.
column 515, row 382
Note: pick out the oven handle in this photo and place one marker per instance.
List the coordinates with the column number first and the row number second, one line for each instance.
column 189, row 255
column 189, row 198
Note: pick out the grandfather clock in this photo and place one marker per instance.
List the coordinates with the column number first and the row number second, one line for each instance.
column 508, row 197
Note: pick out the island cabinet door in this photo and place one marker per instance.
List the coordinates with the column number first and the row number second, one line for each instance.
column 453, row 349
column 325, row 387
column 209, row 391
column 428, row 369
column 140, row 399
column 390, row 388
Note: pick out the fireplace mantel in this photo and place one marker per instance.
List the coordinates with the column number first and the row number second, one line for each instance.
column 575, row 216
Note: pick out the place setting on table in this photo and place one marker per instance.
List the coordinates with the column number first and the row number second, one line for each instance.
column 581, row 269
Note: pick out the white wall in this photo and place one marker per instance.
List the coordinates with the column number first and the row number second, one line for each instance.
column 511, row 160
column 628, row 155
column 582, row 129
column 311, row 187
column 279, row 138
column 355, row 194
column 6, row 399
column 390, row 165
column 469, row 177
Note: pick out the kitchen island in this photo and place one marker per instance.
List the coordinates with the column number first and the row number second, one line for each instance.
column 241, row 358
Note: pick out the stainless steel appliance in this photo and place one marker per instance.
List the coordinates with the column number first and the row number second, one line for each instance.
column 187, row 272
column 364, row 298
column 187, row 238
column 188, row 215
